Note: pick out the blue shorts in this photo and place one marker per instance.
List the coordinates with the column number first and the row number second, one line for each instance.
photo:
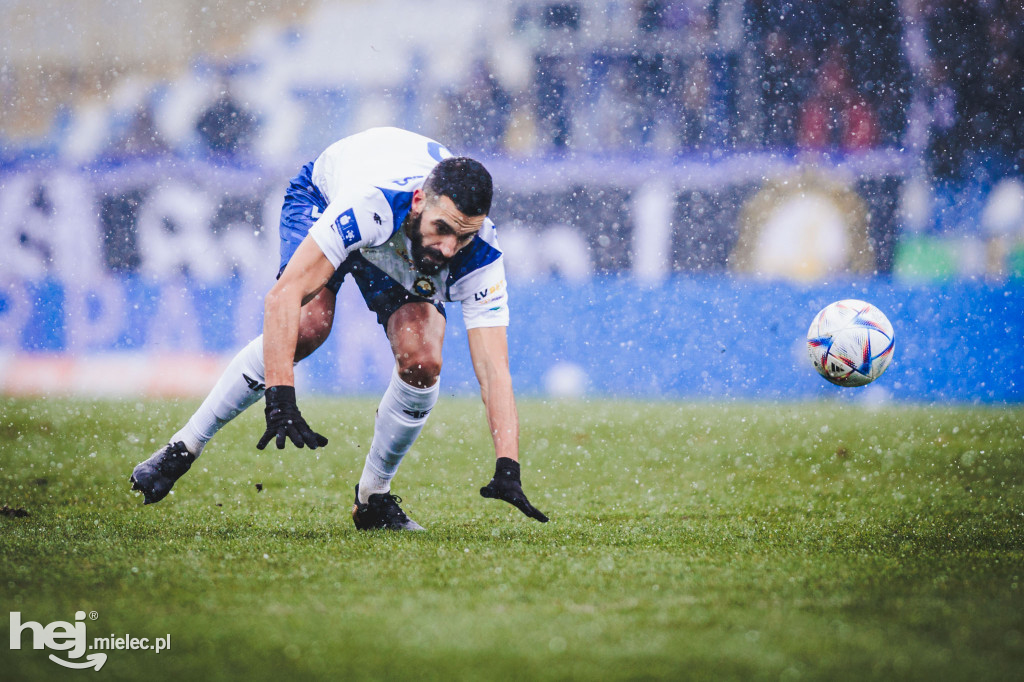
column 303, row 204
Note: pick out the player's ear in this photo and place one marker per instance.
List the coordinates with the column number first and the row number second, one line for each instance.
column 419, row 198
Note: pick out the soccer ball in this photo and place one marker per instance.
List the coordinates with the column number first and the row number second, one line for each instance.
column 850, row 343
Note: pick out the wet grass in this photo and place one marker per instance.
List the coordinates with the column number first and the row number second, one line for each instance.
column 688, row 541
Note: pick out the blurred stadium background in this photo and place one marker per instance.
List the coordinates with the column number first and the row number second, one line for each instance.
column 681, row 185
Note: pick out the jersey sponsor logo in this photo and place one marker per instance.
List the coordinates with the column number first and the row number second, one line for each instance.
column 424, row 287
column 377, row 219
column 348, row 228
column 483, row 294
column 252, row 383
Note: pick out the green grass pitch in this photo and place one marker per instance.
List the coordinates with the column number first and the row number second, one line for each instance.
column 688, row 541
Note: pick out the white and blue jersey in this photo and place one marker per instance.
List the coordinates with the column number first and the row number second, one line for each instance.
column 352, row 201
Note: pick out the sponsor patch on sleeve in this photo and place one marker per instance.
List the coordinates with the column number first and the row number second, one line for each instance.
column 348, row 228
column 491, row 294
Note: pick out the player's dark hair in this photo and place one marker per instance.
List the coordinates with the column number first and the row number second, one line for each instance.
column 463, row 180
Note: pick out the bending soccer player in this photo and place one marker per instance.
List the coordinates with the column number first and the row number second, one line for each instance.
column 408, row 221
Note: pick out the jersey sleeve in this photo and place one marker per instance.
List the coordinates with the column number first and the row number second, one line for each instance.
column 354, row 219
column 484, row 296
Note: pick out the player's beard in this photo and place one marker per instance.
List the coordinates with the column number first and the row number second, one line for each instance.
column 427, row 259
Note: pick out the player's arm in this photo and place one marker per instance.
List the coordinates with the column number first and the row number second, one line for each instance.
column 488, row 347
column 303, row 277
column 306, row 273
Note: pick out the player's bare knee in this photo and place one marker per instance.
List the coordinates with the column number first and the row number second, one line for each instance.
column 311, row 337
column 305, row 347
column 315, row 322
column 419, row 369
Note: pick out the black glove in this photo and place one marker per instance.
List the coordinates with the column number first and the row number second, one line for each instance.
column 506, row 486
column 284, row 419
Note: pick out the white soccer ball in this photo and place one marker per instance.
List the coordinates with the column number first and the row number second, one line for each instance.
column 850, row 343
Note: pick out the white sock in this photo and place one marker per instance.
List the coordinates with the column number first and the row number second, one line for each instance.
column 241, row 385
column 402, row 413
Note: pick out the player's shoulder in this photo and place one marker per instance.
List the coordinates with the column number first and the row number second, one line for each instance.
column 489, row 234
column 373, row 212
column 478, row 255
column 387, row 201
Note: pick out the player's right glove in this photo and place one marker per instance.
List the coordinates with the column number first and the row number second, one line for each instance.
column 506, row 486
column 285, row 420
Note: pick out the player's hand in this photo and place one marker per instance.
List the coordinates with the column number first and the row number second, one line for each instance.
column 284, row 420
column 506, row 486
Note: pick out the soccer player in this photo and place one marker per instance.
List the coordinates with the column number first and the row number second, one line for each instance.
column 408, row 221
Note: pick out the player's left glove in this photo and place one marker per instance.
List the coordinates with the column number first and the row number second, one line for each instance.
column 285, row 421
column 506, row 486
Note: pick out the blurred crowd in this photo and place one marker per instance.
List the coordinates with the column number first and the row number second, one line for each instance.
column 832, row 75
column 652, row 76
column 941, row 81
column 969, row 69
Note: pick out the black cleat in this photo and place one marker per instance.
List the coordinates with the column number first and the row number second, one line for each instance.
column 382, row 512
column 157, row 475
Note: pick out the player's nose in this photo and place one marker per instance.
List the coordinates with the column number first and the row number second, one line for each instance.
column 448, row 246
